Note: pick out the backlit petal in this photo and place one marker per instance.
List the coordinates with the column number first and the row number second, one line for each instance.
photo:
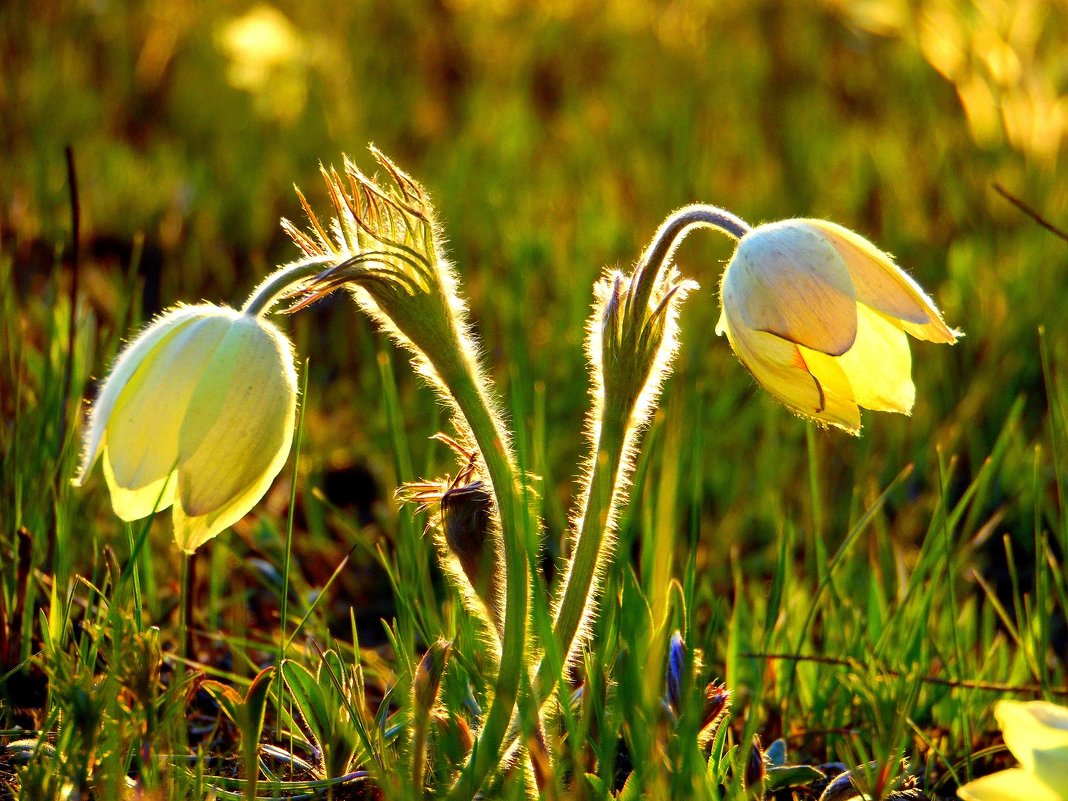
column 237, row 432
column 787, row 279
column 878, row 366
column 884, row 286
column 143, row 433
column 1008, row 785
column 133, row 504
column 1037, row 734
column 782, row 369
column 129, row 361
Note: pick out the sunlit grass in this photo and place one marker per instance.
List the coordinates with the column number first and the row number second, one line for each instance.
column 865, row 599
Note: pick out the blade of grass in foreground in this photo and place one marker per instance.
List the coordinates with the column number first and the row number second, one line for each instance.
column 286, row 559
column 839, row 555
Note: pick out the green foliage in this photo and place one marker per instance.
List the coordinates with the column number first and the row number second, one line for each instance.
column 862, row 599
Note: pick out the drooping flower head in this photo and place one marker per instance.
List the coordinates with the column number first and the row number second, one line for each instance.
column 1037, row 735
column 196, row 414
column 819, row 316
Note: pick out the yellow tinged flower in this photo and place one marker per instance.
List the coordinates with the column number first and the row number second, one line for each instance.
column 1037, row 735
column 197, row 414
column 819, row 316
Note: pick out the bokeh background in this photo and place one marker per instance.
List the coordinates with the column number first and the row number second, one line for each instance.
column 553, row 138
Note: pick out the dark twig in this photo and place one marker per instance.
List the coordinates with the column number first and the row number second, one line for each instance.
column 72, row 318
column 1030, row 212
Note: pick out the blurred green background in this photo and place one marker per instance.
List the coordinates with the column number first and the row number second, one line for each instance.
column 554, row 137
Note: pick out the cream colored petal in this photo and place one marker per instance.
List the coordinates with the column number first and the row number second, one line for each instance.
column 787, row 279
column 133, row 504
column 237, row 432
column 128, row 362
column 192, row 532
column 840, row 406
column 884, row 286
column 1037, row 734
column 1008, row 785
column 143, row 434
column 781, row 368
column 879, row 365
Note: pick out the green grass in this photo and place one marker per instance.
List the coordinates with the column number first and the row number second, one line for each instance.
column 862, row 598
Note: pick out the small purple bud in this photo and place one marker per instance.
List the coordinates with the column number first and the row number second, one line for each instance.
column 755, row 769
column 676, row 665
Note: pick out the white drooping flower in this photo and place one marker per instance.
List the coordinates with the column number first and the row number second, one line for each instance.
column 197, row 414
column 819, row 316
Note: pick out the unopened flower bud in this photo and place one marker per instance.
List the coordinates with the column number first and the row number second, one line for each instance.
column 755, row 768
column 676, row 665
column 428, row 675
column 465, row 517
column 454, row 736
column 717, row 702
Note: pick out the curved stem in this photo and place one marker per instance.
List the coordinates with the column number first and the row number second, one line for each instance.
column 460, row 375
column 610, row 470
column 670, row 235
column 271, row 289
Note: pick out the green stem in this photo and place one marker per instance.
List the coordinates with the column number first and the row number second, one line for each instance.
column 138, row 616
column 460, row 376
column 604, row 496
column 274, row 286
column 185, row 607
column 283, row 643
column 419, row 751
column 610, row 471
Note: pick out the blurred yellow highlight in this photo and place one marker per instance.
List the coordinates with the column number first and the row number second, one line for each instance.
column 1004, row 57
column 266, row 57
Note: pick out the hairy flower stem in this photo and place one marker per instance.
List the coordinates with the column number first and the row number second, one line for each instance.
column 281, row 283
column 615, row 433
column 670, row 235
column 461, row 377
column 418, row 754
column 604, row 497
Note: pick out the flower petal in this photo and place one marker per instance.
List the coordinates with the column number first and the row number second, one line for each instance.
column 782, row 369
column 878, row 366
column 237, row 432
column 1008, row 785
column 1037, row 734
column 142, row 434
column 787, row 279
column 133, row 504
column 128, row 362
column 884, row 286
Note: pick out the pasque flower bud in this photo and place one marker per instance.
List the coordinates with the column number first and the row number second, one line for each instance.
column 428, row 675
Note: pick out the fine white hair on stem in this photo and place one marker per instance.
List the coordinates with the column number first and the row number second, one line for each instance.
column 389, row 249
column 635, row 317
column 640, row 415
